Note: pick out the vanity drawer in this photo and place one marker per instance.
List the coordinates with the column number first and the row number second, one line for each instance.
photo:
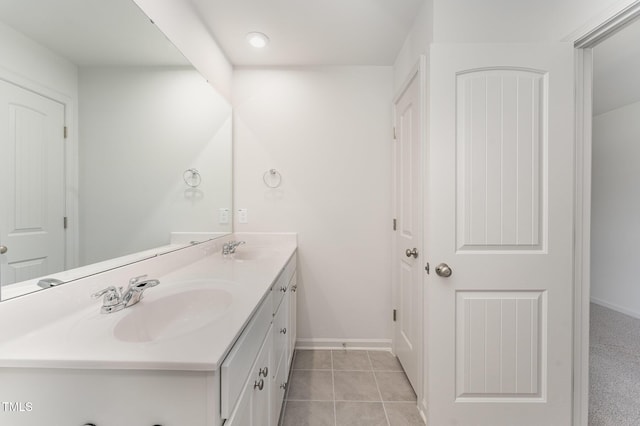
column 281, row 286
column 281, row 330
column 237, row 365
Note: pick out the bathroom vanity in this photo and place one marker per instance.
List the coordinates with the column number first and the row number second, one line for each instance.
column 212, row 344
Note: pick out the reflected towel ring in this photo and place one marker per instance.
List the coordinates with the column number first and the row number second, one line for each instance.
column 272, row 178
column 192, row 177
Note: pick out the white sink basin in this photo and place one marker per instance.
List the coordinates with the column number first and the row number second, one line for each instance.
column 254, row 253
column 249, row 255
column 172, row 315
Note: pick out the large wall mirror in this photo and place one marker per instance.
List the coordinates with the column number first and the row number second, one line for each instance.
column 111, row 143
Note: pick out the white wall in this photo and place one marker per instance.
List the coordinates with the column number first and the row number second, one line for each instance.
column 180, row 22
column 328, row 132
column 141, row 128
column 417, row 43
column 615, row 227
column 511, row 21
column 27, row 60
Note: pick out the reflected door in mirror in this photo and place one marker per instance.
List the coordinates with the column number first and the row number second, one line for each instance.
column 32, row 184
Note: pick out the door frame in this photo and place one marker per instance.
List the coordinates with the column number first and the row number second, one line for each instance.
column 70, row 165
column 584, row 41
column 418, row 70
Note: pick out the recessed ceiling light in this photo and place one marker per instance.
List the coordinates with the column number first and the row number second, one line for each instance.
column 257, row 40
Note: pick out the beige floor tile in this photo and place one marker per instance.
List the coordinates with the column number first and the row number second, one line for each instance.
column 403, row 414
column 384, row 361
column 309, row 413
column 355, row 386
column 311, row 385
column 360, row 414
column 312, row 360
column 394, row 386
column 351, row 360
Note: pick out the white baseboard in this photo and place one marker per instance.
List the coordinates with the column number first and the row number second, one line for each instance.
column 355, row 344
column 615, row 307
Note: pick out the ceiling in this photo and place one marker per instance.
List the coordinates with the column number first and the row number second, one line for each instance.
column 326, row 32
column 92, row 32
column 616, row 70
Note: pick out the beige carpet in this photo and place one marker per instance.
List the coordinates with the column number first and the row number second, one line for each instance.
column 614, row 368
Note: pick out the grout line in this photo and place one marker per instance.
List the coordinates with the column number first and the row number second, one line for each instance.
column 313, row 369
column 352, row 400
column 333, row 384
column 386, row 416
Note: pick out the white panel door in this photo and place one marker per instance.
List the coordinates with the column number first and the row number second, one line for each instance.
column 408, row 257
column 32, row 184
column 502, row 153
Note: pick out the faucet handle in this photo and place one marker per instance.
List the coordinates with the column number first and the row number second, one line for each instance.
column 111, row 295
column 134, row 280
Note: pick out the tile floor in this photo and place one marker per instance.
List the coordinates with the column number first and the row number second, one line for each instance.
column 350, row 388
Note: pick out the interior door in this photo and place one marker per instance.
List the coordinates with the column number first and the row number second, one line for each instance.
column 32, row 185
column 408, row 257
column 499, row 304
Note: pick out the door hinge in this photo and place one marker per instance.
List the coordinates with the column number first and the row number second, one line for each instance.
column 427, row 268
column 65, row 132
column 395, row 224
column 394, row 133
column 65, row 222
column 394, row 315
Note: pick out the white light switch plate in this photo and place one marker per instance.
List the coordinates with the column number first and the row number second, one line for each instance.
column 243, row 216
column 223, row 215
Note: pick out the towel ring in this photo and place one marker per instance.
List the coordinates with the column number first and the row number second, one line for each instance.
column 192, row 177
column 272, row 178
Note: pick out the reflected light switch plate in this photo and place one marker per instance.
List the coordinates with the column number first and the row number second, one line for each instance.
column 243, row 216
column 223, row 215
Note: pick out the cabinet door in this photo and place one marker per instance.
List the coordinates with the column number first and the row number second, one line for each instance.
column 293, row 303
column 261, row 386
column 253, row 407
column 279, row 385
column 242, row 414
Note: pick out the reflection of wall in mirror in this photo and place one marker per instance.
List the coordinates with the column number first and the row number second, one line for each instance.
column 31, row 65
column 141, row 128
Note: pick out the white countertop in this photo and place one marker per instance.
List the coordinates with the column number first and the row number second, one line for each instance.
column 85, row 338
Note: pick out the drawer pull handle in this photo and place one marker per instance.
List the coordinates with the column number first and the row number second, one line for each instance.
column 283, row 385
column 283, row 289
column 283, row 330
column 258, row 384
column 263, row 372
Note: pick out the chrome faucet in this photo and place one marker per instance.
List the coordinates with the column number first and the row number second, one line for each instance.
column 230, row 247
column 116, row 300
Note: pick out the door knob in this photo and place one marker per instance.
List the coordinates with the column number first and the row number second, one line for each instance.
column 3, row 249
column 443, row 270
column 413, row 253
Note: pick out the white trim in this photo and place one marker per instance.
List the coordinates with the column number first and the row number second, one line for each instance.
column 582, row 221
column 336, row 344
column 424, row 107
column 597, row 24
column 607, row 24
column 602, row 27
column 615, row 307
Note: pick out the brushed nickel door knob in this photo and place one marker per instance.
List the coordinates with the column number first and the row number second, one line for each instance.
column 443, row 270
column 3, row 249
column 410, row 252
